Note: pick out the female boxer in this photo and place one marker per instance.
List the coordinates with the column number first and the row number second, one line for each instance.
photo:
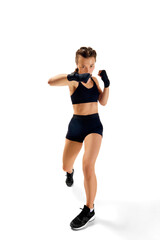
column 84, row 126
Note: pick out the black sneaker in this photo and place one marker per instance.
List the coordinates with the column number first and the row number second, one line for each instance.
column 69, row 179
column 83, row 218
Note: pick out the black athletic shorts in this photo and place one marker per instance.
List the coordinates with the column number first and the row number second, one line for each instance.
column 82, row 125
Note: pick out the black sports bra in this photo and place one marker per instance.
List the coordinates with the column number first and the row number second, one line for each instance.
column 83, row 94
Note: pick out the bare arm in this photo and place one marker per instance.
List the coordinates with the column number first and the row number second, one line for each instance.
column 59, row 80
column 103, row 96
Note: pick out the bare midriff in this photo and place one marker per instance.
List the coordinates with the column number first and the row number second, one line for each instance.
column 85, row 108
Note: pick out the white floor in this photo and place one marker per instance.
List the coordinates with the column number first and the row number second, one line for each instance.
column 39, row 41
column 114, row 219
column 41, row 206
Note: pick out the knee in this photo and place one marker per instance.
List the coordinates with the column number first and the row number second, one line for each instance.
column 88, row 170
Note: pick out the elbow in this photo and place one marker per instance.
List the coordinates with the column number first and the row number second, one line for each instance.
column 50, row 82
column 103, row 104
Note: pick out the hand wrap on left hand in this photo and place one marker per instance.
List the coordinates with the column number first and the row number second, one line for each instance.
column 105, row 79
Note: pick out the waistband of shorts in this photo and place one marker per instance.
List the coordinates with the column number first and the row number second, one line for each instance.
column 89, row 116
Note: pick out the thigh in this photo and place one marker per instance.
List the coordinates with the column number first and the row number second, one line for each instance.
column 71, row 150
column 92, row 144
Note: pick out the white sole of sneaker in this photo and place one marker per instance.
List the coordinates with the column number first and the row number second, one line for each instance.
column 85, row 224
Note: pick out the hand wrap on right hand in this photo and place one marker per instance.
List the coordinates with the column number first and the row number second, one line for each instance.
column 78, row 77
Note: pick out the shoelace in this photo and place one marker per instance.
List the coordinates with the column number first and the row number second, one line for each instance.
column 84, row 212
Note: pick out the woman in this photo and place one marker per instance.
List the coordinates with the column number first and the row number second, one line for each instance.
column 84, row 126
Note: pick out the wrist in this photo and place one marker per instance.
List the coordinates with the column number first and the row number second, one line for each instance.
column 106, row 83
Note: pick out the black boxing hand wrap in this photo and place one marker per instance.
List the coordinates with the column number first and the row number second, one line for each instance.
column 105, row 79
column 78, row 77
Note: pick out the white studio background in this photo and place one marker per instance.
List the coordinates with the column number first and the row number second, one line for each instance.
column 39, row 40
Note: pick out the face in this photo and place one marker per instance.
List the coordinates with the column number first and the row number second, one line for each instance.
column 86, row 65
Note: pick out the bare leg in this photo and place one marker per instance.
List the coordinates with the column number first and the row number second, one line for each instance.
column 71, row 150
column 90, row 185
column 92, row 147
